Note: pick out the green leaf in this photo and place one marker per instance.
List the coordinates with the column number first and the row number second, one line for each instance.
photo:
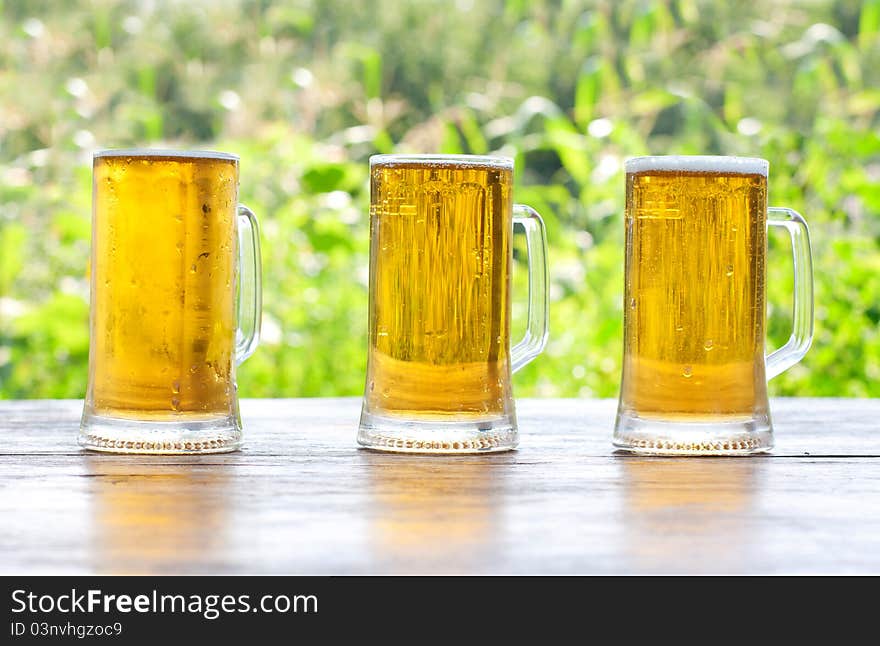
column 587, row 92
column 451, row 142
column 323, row 178
column 71, row 227
column 869, row 24
column 13, row 237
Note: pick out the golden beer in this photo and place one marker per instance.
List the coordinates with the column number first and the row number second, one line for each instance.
column 694, row 315
column 164, row 266
column 439, row 339
column 694, row 368
column 164, row 316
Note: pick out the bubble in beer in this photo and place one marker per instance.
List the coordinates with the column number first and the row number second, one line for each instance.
column 440, row 333
column 154, row 320
column 691, row 345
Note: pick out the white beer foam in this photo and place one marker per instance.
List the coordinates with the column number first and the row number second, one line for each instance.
column 155, row 152
column 698, row 164
column 441, row 160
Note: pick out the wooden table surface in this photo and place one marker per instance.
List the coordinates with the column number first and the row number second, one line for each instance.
column 301, row 498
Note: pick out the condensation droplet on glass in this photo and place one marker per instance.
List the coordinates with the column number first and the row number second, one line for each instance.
column 386, row 393
column 192, row 268
column 175, row 403
column 709, row 344
column 632, row 303
column 687, row 372
column 729, row 270
column 175, row 386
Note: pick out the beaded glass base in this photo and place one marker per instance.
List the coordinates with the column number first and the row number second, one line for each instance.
column 400, row 435
column 119, row 435
column 697, row 437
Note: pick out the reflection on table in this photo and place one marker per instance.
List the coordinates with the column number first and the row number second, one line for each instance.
column 164, row 519
column 437, row 513
column 684, row 513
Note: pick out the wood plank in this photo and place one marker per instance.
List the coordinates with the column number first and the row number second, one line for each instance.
column 302, row 499
column 819, row 426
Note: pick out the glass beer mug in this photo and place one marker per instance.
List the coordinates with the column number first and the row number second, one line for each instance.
column 440, row 356
column 175, row 302
column 694, row 369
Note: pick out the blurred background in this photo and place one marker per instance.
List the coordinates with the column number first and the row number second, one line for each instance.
column 304, row 91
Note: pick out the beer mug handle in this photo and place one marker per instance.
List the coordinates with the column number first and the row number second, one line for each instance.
column 536, row 243
column 802, row 310
column 249, row 301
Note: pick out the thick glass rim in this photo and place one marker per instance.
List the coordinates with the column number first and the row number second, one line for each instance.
column 157, row 152
column 496, row 161
column 698, row 164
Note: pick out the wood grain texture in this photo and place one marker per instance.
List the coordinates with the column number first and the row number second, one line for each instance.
column 301, row 498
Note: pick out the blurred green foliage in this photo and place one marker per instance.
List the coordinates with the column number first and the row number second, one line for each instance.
column 304, row 91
